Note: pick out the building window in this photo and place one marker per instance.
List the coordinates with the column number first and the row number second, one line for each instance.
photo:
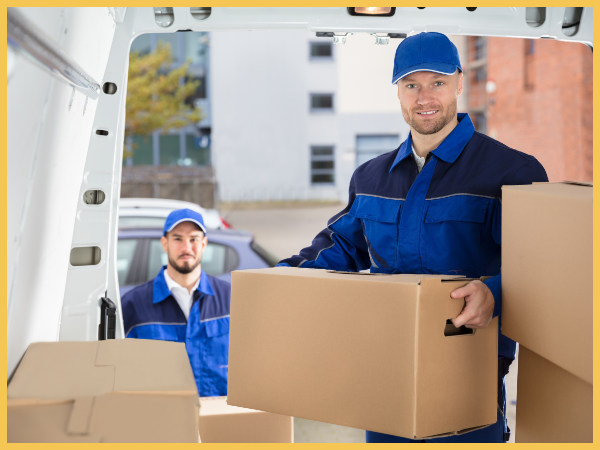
column 322, row 164
column 480, row 75
column 371, row 146
column 479, row 47
column 528, row 75
column 321, row 102
column 480, row 122
column 321, row 50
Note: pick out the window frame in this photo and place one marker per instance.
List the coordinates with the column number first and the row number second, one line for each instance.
column 313, row 58
column 314, row 158
column 313, row 110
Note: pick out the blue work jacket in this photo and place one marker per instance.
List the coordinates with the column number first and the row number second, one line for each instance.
column 151, row 312
column 444, row 220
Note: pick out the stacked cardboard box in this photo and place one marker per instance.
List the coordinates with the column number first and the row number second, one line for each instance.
column 547, row 307
column 222, row 423
column 368, row 351
column 125, row 390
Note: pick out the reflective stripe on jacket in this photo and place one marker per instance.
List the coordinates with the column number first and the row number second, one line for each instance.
column 444, row 220
column 151, row 312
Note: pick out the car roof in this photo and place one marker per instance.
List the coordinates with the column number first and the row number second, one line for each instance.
column 158, row 203
column 241, row 235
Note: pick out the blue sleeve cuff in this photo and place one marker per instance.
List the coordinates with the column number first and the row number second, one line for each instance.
column 283, row 265
column 494, row 284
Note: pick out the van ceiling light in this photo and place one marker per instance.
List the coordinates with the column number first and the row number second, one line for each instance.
column 372, row 11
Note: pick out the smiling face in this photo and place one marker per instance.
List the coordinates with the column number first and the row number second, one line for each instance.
column 428, row 100
column 184, row 246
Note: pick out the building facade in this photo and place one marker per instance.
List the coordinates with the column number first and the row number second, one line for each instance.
column 294, row 115
column 535, row 96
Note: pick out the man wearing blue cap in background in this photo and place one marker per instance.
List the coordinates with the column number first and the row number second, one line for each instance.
column 184, row 304
column 432, row 206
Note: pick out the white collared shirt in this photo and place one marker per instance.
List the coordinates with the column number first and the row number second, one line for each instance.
column 420, row 161
column 181, row 294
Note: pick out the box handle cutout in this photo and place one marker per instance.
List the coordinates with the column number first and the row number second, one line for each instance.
column 451, row 330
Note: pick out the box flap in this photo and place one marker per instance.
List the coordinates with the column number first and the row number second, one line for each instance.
column 210, row 406
column 66, row 370
column 60, row 370
column 113, row 417
column 147, row 365
column 579, row 183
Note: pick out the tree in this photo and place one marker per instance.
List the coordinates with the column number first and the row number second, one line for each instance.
column 156, row 96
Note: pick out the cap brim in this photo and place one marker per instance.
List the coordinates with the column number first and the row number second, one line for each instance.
column 187, row 220
column 445, row 69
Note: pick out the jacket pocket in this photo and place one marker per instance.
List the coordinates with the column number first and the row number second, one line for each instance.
column 452, row 231
column 379, row 220
column 217, row 327
column 215, row 357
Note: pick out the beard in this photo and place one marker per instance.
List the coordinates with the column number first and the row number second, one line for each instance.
column 430, row 126
column 186, row 266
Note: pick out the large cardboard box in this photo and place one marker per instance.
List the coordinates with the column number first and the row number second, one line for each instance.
column 367, row 351
column 222, row 423
column 547, row 307
column 125, row 390
column 553, row 405
column 547, row 272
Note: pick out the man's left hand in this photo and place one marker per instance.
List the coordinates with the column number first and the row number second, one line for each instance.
column 479, row 307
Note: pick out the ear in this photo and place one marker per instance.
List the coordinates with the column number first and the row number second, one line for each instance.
column 163, row 241
column 459, row 89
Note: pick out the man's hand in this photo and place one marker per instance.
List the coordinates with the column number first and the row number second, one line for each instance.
column 479, row 308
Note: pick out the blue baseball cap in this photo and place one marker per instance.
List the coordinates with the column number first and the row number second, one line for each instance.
column 183, row 215
column 429, row 52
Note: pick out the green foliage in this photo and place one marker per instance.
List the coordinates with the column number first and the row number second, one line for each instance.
column 155, row 96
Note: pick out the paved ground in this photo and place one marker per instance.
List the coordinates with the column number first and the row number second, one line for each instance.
column 284, row 230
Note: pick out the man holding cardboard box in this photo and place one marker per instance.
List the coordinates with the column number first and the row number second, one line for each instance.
column 184, row 304
column 433, row 205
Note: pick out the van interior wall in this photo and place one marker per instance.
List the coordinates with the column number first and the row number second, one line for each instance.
column 49, row 127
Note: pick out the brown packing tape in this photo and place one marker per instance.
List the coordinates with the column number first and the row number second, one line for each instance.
column 79, row 421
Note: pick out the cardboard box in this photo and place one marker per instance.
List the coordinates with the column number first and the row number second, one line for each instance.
column 125, row 390
column 367, row 351
column 220, row 422
column 553, row 405
column 547, row 272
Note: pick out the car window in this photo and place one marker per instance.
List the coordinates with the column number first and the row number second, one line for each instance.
column 141, row 222
column 215, row 260
column 264, row 254
column 125, row 251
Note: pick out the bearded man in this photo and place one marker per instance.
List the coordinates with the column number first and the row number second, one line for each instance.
column 184, row 304
column 433, row 205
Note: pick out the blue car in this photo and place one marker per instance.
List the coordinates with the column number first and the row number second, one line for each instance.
column 140, row 255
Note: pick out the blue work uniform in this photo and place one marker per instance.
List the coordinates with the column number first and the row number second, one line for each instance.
column 445, row 219
column 151, row 312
